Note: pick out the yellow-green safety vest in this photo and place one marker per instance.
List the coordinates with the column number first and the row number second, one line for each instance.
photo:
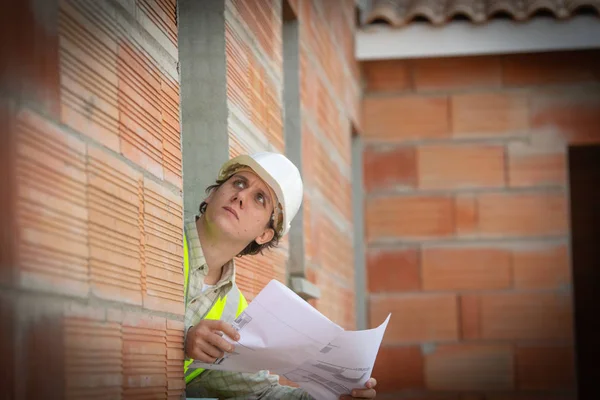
column 223, row 308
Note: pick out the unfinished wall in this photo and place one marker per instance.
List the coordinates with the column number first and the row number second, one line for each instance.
column 91, row 268
column 467, row 220
column 329, row 95
column 91, row 279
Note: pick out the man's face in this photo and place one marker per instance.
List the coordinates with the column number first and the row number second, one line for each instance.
column 241, row 208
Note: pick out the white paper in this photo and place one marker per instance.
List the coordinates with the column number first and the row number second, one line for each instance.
column 282, row 333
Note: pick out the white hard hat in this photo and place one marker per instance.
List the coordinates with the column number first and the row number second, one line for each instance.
column 280, row 174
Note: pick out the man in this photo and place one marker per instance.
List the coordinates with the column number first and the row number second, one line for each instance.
column 248, row 210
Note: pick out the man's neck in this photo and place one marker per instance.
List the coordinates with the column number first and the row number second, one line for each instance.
column 217, row 251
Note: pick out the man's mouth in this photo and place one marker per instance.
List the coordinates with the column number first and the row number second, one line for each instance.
column 231, row 210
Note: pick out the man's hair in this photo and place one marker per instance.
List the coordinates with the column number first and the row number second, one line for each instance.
column 252, row 248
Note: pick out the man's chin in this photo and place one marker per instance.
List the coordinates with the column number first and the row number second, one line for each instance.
column 230, row 228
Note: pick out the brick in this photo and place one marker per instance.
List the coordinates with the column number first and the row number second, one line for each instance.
column 572, row 113
column 394, row 270
column 114, row 229
column 465, row 166
column 51, row 212
column 545, row 367
column 405, row 118
column 263, row 20
column 145, row 348
column 414, row 217
column 539, row 169
column 545, row 267
column 109, row 344
column 30, row 65
column 175, row 354
column 264, row 104
column 327, row 175
column 463, row 268
column 485, row 114
column 548, row 68
column 89, row 86
column 336, row 249
column 152, row 383
column 456, row 73
column 308, row 229
column 470, row 317
column 542, row 161
column 139, row 96
column 470, row 367
column 398, row 368
column 522, row 214
column 389, row 168
column 171, row 131
column 416, row 318
column 523, row 316
column 38, row 342
column 386, row 76
column 163, row 238
column 163, row 16
column 466, row 217
column 101, row 340
column 175, row 325
column 176, row 384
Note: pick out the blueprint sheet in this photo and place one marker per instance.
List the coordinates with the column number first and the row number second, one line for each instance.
column 282, row 333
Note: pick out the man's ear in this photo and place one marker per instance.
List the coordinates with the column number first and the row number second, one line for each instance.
column 266, row 236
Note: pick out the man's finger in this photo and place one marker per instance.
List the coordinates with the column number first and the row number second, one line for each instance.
column 363, row 393
column 216, row 340
column 221, row 327
column 211, row 351
column 228, row 329
column 371, row 383
column 203, row 357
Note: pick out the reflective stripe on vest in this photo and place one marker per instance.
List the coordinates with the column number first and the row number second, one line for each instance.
column 226, row 308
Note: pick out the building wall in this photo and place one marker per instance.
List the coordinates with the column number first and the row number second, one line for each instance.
column 91, row 279
column 329, row 102
column 467, row 224
column 92, row 295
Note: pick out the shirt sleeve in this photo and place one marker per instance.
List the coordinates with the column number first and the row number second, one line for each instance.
column 238, row 385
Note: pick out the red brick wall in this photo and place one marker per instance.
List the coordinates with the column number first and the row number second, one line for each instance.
column 92, row 302
column 467, row 222
column 329, row 92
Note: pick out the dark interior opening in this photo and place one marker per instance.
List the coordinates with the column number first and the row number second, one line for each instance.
column 584, row 176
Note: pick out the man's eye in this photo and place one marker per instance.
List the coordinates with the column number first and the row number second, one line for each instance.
column 240, row 184
column 260, row 198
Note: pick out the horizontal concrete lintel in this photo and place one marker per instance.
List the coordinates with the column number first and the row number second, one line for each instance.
column 460, row 38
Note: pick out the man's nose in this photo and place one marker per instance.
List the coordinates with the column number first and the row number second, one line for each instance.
column 239, row 198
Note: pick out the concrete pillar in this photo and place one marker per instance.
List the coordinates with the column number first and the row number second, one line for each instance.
column 202, row 64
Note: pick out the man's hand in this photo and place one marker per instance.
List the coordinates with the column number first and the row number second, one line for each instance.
column 204, row 341
column 368, row 393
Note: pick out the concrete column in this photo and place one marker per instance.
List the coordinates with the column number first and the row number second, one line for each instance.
column 202, row 63
column 359, row 233
column 293, row 145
